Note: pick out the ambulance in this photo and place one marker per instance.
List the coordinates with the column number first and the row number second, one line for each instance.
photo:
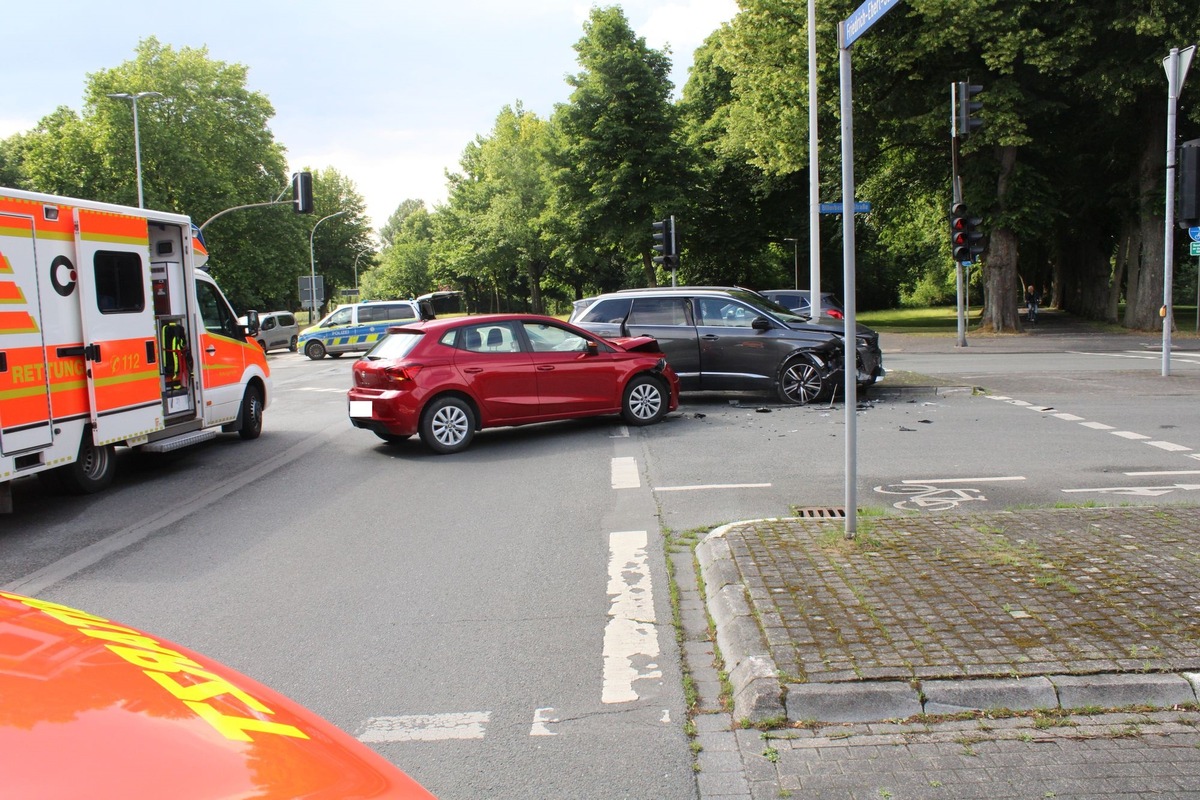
column 112, row 335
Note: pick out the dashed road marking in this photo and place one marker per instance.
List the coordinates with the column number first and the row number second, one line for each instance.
column 631, row 635
column 1137, row 437
column 1068, row 417
column 625, row 473
column 1097, row 426
column 425, row 727
column 318, row 389
column 1170, row 447
column 542, row 719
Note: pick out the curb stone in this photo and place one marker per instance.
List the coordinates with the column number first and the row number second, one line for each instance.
column 757, row 692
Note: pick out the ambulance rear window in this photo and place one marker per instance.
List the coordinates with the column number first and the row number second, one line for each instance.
column 120, row 288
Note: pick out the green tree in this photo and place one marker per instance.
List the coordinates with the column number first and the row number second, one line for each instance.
column 403, row 269
column 617, row 165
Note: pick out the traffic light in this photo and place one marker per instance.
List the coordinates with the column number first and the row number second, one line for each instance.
column 302, row 192
column 968, row 108
column 1188, row 212
column 964, row 238
column 664, row 243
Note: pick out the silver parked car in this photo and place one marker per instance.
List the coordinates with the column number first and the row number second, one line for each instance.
column 277, row 330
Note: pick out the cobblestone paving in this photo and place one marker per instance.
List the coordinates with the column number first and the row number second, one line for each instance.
column 1048, row 591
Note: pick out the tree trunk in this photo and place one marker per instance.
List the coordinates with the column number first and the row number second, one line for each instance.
column 1143, row 296
column 651, row 274
column 1003, row 292
column 1129, row 242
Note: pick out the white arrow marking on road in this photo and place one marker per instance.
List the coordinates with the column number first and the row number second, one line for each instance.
column 631, row 635
column 1142, row 491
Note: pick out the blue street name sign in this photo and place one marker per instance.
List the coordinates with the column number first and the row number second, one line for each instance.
column 864, row 17
column 1194, row 233
column 836, row 208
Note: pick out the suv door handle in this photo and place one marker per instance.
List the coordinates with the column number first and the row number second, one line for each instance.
column 710, row 337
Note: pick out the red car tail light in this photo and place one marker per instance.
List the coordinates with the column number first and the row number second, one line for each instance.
column 401, row 374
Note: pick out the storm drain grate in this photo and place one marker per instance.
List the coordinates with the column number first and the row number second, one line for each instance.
column 821, row 512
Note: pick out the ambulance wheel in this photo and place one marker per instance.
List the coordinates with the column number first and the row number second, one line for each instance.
column 292, row 344
column 252, row 411
column 314, row 350
column 92, row 470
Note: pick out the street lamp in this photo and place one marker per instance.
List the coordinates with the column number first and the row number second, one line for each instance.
column 796, row 256
column 312, row 260
column 137, row 144
column 361, row 253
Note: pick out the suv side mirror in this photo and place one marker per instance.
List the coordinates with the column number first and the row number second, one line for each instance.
column 761, row 324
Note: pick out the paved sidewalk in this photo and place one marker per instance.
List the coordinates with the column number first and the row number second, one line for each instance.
column 831, row 643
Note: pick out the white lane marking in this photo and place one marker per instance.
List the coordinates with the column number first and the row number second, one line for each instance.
column 1020, row 403
column 997, row 397
column 1137, row 437
column 318, row 389
column 1169, row 446
column 1043, row 409
column 622, row 432
column 1167, row 472
column 964, row 480
column 425, row 727
column 1097, row 426
column 625, row 473
column 631, row 635
column 1068, row 417
column 706, row 486
column 542, row 717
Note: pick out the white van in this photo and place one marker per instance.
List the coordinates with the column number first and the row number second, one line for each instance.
column 355, row 328
column 276, row 330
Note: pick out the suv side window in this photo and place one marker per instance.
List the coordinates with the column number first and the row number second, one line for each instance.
column 721, row 311
column 658, row 311
column 287, row 320
column 612, row 310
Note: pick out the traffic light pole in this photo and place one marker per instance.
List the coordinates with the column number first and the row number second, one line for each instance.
column 956, row 193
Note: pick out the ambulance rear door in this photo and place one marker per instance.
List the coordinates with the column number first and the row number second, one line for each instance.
column 25, row 418
column 120, row 349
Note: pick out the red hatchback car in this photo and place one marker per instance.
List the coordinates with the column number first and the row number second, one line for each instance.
column 448, row 378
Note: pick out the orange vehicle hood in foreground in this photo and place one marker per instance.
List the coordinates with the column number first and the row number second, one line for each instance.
column 91, row 708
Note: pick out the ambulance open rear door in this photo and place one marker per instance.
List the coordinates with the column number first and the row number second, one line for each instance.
column 120, row 348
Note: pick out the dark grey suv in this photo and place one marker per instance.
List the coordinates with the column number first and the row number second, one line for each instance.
column 718, row 338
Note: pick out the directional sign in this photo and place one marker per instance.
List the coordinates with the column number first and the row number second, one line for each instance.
column 1195, row 248
column 836, row 208
column 863, row 18
column 1194, row 233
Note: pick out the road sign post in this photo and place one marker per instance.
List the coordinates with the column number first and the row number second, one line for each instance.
column 849, row 30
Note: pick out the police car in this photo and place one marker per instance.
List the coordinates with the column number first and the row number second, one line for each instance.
column 356, row 327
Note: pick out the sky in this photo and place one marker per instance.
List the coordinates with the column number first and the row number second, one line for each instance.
column 388, row 93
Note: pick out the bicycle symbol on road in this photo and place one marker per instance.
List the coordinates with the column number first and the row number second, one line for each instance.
column 930, row 496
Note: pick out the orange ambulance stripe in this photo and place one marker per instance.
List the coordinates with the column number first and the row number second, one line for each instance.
column 10, row 292
column 17, row 322
column 61, row 228
column 107, row 227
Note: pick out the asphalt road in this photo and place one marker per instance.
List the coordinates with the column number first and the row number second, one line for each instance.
column 497, row 622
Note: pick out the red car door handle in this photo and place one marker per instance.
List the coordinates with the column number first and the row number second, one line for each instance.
column 472, row 370
column 545, row 367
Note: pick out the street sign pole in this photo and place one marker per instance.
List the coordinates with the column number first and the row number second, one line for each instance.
column 849, row 30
